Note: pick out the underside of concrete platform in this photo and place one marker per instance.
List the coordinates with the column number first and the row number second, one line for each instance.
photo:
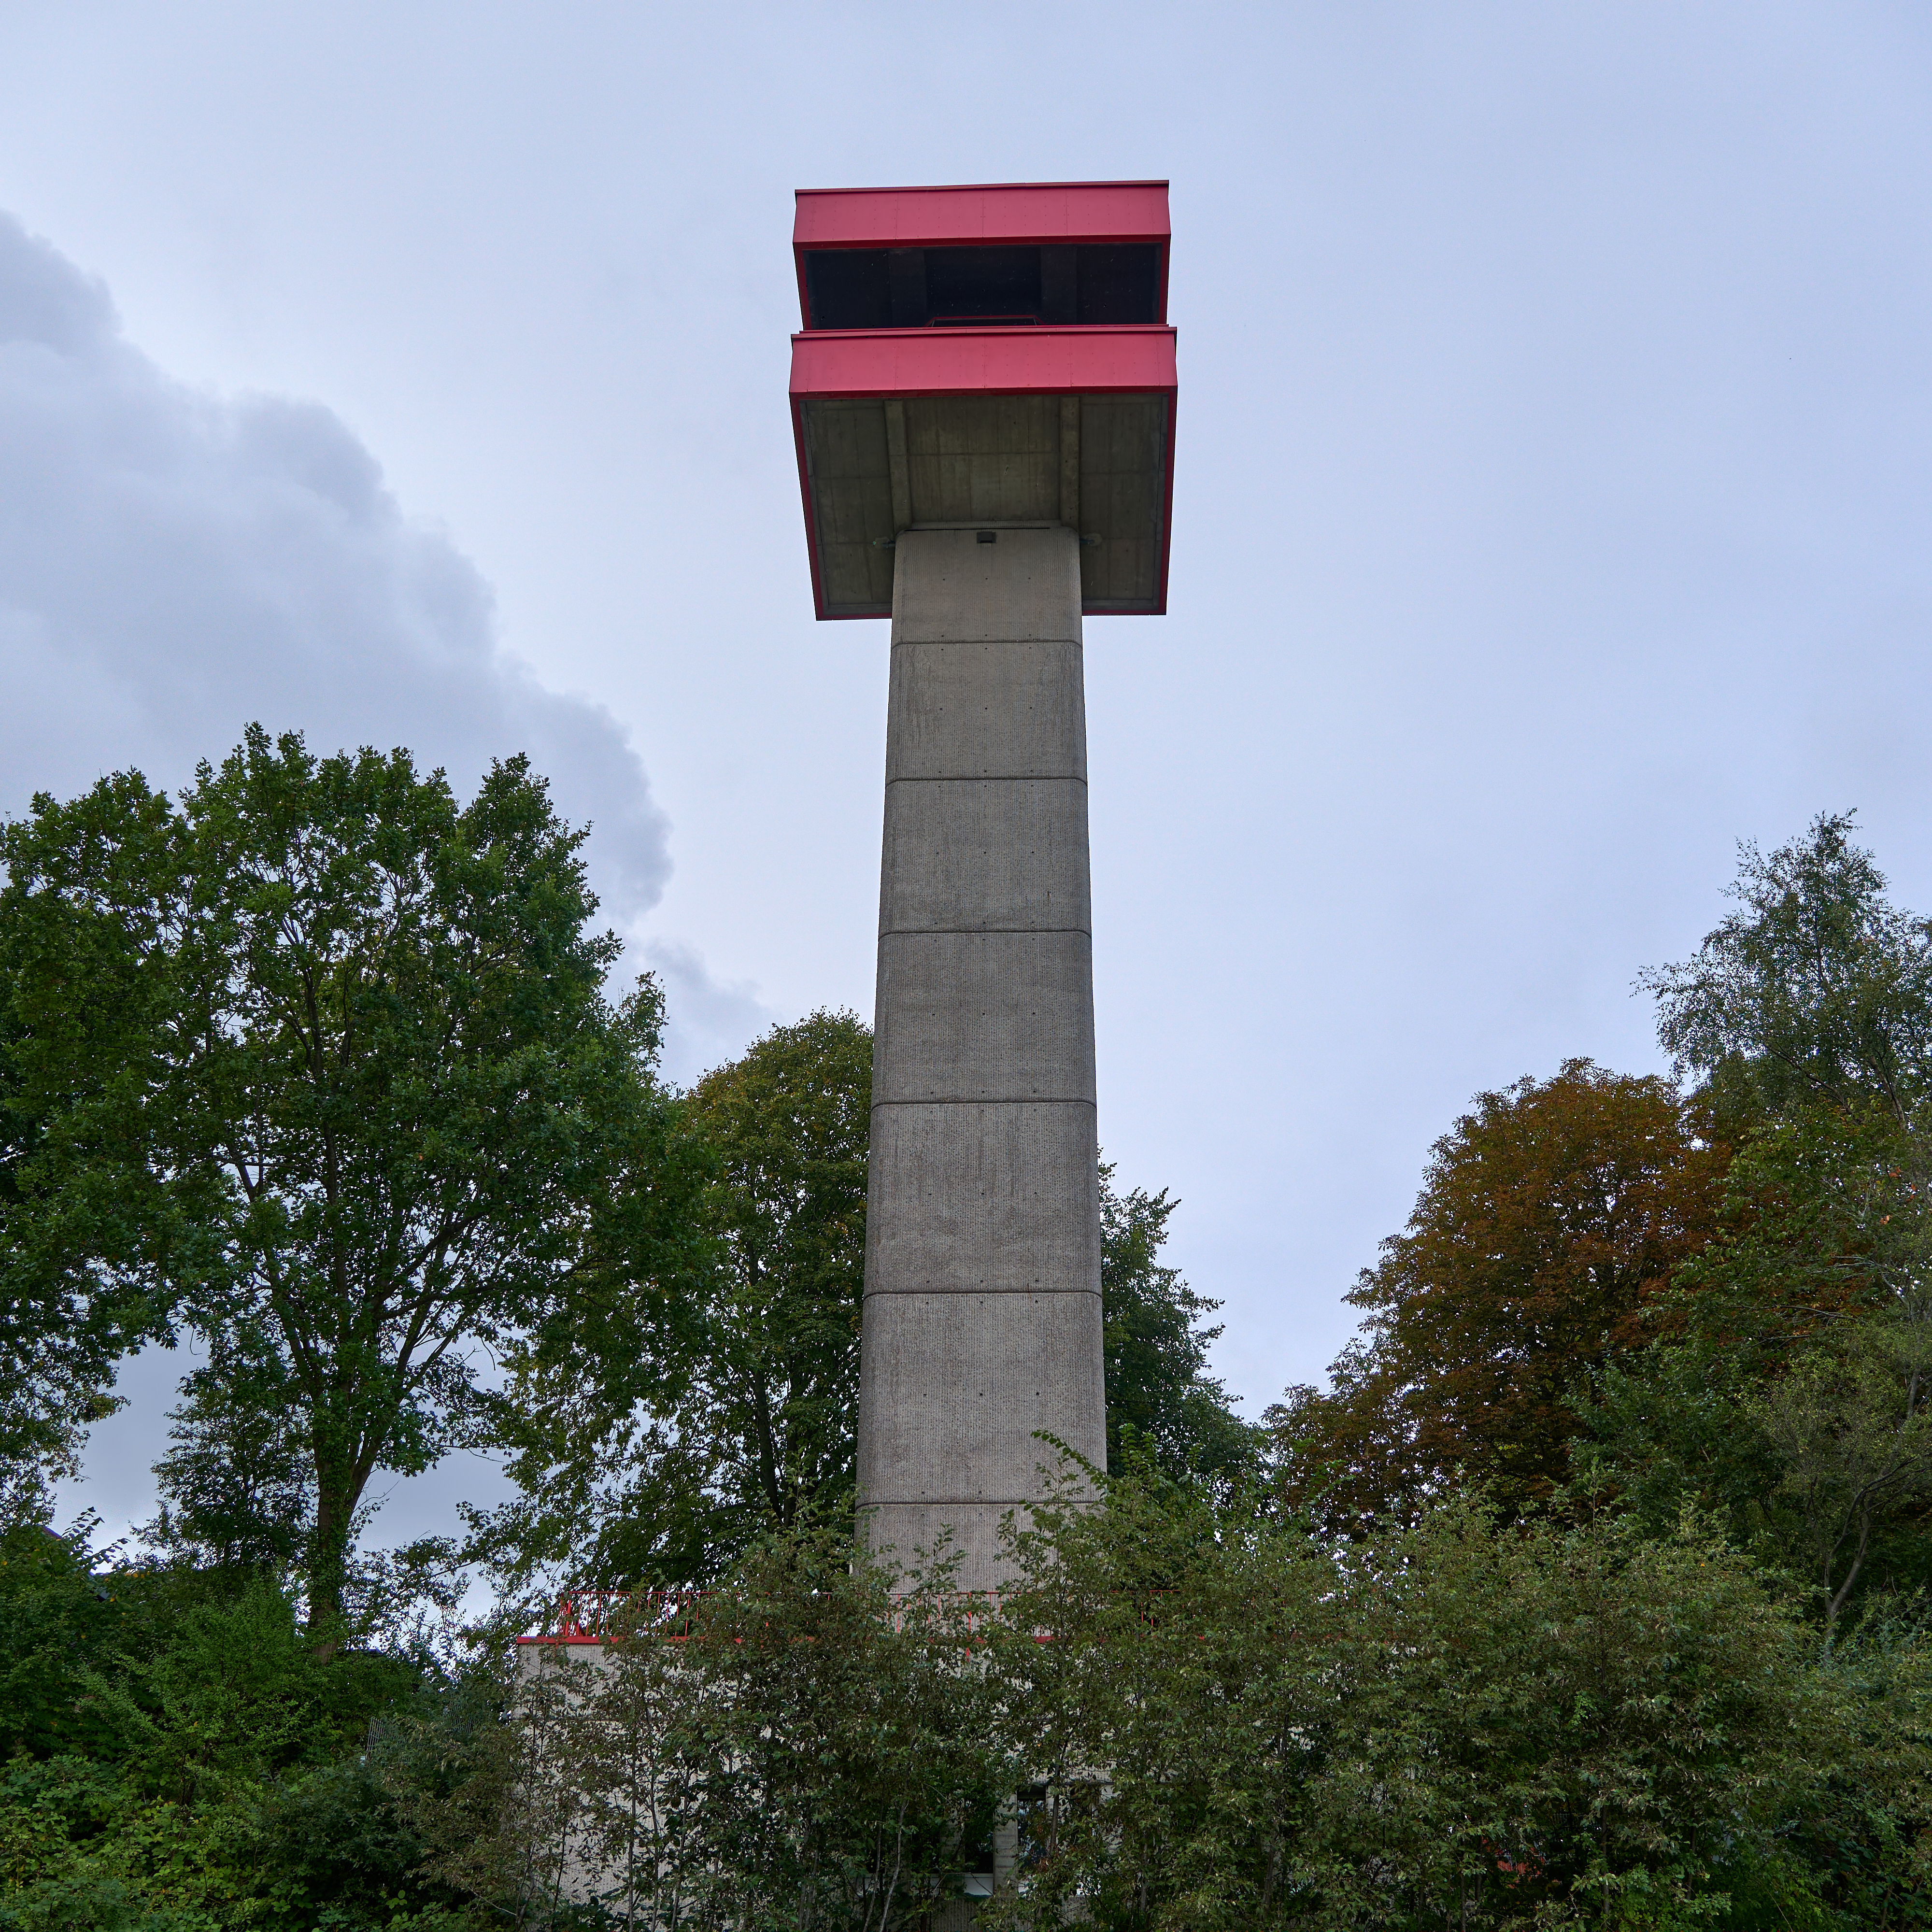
column 1097, row 463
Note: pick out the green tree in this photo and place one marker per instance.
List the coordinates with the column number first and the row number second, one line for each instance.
column 175, row 1753
column 808, row 1744
column 377, row 1088
column 755, row 1431
column 1585, row 1723
column 1786, row 1396
column 744, row 1423
column 1462, row 1722
column 849, row 1756
column 1817, row 989
column 236, row 1484
column 1794, row 1396
column 789, row 1121
column 1177, row 1674
column 1158, row 1386
column 90, row 1231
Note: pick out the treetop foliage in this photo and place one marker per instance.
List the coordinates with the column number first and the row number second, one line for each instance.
column 364, row 1102
column 1159, row 1388
column 1816, row 989
column 750, row 1426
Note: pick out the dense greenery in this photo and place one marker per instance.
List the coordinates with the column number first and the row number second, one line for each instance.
column 1192, row 1712
column 363, row 1124
column 1592, row 1589
column 1459, row 1720
column 179, row 1755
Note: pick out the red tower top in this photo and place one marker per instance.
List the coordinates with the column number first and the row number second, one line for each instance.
column 984, row 355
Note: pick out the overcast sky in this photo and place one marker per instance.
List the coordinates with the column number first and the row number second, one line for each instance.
column 1550, row 509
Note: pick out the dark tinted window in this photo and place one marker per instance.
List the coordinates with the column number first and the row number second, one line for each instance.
column 848, row 288
column 910, row 288
column 1119, row 281
column 982, row 281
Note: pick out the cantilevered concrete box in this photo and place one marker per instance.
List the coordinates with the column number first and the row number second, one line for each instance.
column 996, row 356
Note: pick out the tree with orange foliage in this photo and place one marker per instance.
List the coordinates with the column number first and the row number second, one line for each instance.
column 1551, row 1219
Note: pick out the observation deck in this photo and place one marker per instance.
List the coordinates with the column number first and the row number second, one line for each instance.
column 985, row 356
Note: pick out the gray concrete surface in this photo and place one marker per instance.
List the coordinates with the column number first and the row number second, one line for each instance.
column 987, row 1199
column 1095, row 463
column 987, row 855
column 982, row 1274
column 984, row 1016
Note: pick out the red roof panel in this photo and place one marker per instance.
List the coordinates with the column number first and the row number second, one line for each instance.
column 1034, row 212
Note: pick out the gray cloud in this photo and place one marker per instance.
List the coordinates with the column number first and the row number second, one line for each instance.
column 174, row 564
column 708, row 1020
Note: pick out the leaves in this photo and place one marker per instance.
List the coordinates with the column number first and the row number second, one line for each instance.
column 790, row 1122
column 1551, row 1221
column 1789, row 1397
column 1156, row 1344
column 1462, row 1721
column 369, row 1100
column 749, row 1428
column 798, row 1748
column 1817, row 989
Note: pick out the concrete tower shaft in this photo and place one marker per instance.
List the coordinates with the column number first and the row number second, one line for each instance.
column 981, row 1321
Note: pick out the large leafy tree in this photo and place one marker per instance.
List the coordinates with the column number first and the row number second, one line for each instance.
column 371, row 1118
column 743, row 1423
column 789, row 1120
column 1817, row 990
column 1551, row 1221
column 1460, row 1722
column 88, row 1229
column 1797, row 1400
column 835, row 1759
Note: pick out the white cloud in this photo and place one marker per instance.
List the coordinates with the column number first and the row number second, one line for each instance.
column 175, row 564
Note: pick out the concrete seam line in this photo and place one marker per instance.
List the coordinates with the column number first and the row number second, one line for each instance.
column 952, row 1502
column 993, row 1100
column 1034, row 1293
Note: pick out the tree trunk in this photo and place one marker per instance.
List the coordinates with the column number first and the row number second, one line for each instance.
column 337, row 1491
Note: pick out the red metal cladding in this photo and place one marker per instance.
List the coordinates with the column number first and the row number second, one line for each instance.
column 609, row 1616
column 983, row 361
column 620, row 1616
column 874, row 217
